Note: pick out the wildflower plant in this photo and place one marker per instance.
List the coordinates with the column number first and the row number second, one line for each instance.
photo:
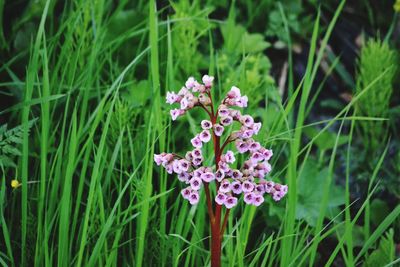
column 231, row 183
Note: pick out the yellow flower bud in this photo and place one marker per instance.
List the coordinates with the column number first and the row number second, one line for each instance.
column 15, row 183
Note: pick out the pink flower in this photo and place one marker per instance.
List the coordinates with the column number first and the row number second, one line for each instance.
column 218, row 129
column 242, row 102
column 249, row 198
column 172, row 98
column 208, row 80
column 183, row 91
column 247, row 186
column 186, row 192
column 197, row 161
column 223, row 111
column 188, row 156
column 225, row 186
column 234, row 92
column 247, row 120
column 236, row 187
column 258, row 200
column 229, row 157
column 219, row 175
column 230, row 202
column 236, row 174
column 223, row 166
column 254, row 146
column 269, row 185
column 184, row 165
column 175, row 113
column 241, row 146
column 256, row 157
column 267, row 154
column 199, row 88
column 235, row 114
column 176, row 166
column 220, row 198
column 190, row 83
column 183, row 177
column 207, row 177
column 256, row 127
column 260, row 188
column 205, row 136
column 196, row 153
column 194, row 198
column 225, row 121
column 195, row 183
column 158, row 159
column 196, row 141
column 206, row 125
column 204, row 99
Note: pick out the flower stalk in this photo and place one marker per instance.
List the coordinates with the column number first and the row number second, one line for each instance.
column 230, row 183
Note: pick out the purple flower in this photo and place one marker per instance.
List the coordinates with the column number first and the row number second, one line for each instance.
column 195, row 183
column 234, row 92
column 218, row 129
column 256, row 127
column 188, row 156
column 247, row 186
column 172, row 98
column 219, row 175
column 207, row 177
column 225, row 121
column 236, row 174
column 256, row 157
column 190, row 83
column 223, row 166
column 223, row 111
column 235, row 114
column 194, row 198
column 269, row 185
column 254, row 146
column 225, row 186
column 241, row 146
column 258, row 200
column 205, row 136
column 186, row 192
column 236, row 187
column 242, row 102
column 260, row 188
column 206, row 125
column 176, row 166
column 247, row 120
column 208, row 80
column 267, row 154
column 184, row 165
column 230, row 202
column 183, row 177
column 249, row 198
column 158, row 159
column 229, row 157
column 196, row 153
column 220, row 198
column 196, row 141
column 204, row 99
column 183, row 91
column 175, row 113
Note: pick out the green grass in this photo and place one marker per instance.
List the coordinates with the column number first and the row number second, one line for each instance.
column 90, row 194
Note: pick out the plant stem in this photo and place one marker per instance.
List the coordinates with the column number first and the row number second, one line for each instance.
column 216, row 236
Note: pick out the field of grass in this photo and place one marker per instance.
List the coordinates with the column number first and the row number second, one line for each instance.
column 82, row 112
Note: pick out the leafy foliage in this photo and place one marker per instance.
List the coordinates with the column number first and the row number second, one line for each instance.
column 10, row 140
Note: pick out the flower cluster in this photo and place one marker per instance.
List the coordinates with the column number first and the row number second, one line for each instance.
column 249, row 180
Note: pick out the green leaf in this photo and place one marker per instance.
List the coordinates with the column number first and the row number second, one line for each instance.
column 310, row 193
column 325, row 140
